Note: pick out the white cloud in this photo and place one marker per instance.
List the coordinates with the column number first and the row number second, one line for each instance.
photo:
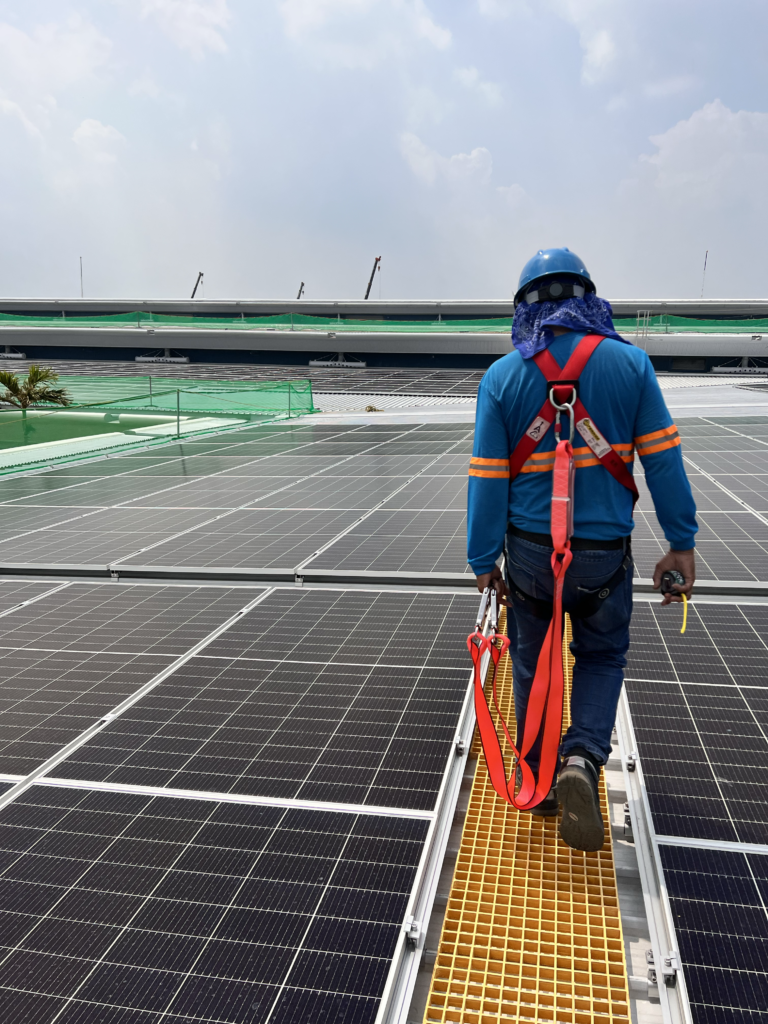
column 36, row 66
column 11, row 109
column 716, row 156
column 361, row 33
column 599, row 53
column 98, row 141
column 669, row 86
column 193, row 25
column 470, row 79
column 513, row 195
column 594, row 20
column 428, row 165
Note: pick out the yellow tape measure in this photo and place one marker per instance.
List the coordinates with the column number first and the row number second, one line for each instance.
column 668, row 580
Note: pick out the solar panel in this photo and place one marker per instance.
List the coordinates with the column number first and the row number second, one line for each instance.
column 719, row 907
column 396, row 541
column 14, row 592
column 432, row 492
column 729, row 545
column 71, row 657
column 353, row 708
column 331, row 491
column 250, row 539
column 130, row 618
column 124, row 907
column 103, row 535
column 699, row 711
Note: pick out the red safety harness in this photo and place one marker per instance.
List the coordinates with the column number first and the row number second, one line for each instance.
column 545, row 703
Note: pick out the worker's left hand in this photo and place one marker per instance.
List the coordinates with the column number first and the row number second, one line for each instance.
column 685, row 563
column 496, row 580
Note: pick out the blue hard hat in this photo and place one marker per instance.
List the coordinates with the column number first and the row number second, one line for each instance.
column 553, row 261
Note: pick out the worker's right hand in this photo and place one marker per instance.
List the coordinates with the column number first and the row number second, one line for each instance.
column 685, row 563
column 496, row 580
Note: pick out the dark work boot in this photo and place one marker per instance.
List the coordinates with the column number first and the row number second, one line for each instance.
column 581, row 827
column 549, row 806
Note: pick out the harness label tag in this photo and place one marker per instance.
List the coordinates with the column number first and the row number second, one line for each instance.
column 537, row 429
column 593, row 437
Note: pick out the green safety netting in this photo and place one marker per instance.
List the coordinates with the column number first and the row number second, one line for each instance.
column 299, row 322
column 115, row 412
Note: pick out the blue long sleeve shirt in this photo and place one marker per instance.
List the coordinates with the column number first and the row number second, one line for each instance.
column 619, row 389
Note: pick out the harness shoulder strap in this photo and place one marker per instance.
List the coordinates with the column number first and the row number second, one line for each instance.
column 549, row 367
column 586, row 426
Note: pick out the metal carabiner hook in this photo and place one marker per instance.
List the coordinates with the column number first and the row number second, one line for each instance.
column 565, row 407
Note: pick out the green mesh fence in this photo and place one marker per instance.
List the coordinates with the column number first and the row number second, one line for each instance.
column 299, row 322
column 119, row 412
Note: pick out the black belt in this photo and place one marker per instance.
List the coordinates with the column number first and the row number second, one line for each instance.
column 588, row 603
column 577, row 543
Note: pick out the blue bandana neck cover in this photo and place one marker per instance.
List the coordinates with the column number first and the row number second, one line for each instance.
column 530, row 325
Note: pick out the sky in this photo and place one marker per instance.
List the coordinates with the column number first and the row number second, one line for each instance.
column 269, row 142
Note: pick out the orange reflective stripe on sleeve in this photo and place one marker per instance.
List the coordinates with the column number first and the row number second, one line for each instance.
column 657, row 441
column 493, row 468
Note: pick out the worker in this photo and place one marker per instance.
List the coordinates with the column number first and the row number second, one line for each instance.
column 556, row 306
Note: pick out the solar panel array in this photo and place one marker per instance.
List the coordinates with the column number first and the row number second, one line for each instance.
column 270, row 895
column 699, row 704
column 265, row 498
column 221, row 794
column 240, row 781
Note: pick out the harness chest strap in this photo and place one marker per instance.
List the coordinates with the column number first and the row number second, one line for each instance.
column 586, row 426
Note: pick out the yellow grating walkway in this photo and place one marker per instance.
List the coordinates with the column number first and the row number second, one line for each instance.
column 532, row 930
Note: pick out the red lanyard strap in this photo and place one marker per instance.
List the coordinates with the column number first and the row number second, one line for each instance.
column 544, row 714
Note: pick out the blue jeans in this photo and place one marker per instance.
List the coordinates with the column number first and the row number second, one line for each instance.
column 599, row 642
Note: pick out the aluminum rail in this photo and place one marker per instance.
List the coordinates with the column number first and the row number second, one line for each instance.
column 427, row 308
column 259, row 339
column 673, row 995
column 336, row 577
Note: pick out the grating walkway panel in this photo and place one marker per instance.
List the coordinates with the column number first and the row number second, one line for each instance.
column 532, row 930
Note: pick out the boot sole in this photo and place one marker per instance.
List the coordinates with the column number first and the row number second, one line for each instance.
column 586, row 832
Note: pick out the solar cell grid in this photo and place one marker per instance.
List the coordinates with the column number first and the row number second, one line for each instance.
column 391, row 541
column 14, row 592
column 375, row 628
column 262, row 538
column 355, row 707
column 723, row 442
column 196, row 909
column 432, row 492
column 331, row 491
column 729, row 545
column 701, row 736
column 730, row 462
column 131, row 618
column 104, row 535
column 330, row 733
column 218, row 492
column 718, row 903
column 48, row 698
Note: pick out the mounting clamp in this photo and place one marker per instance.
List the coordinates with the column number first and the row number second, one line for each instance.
column 412, row 931
column 670, row 968
column 461, row 748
